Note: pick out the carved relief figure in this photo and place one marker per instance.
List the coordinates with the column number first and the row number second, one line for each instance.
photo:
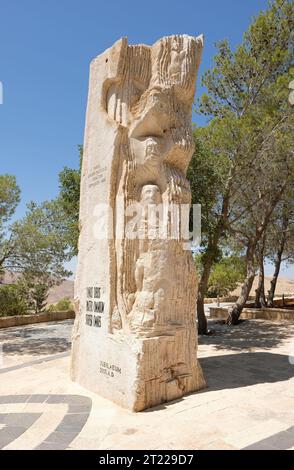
column 152, row 100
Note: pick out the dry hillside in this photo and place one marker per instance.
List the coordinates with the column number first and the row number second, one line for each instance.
column 66, row 289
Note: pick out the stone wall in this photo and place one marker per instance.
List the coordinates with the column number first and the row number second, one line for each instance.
column 229, row 298
column 18, row 320
column 260, row 314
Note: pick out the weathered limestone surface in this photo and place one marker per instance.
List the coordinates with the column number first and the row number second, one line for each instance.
column 134, row 338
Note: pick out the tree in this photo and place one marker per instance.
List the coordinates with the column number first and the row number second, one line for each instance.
column 39, row 243
column 280, row 240
column 34, row 290
column 35, row 247
column 35, row 244
column 243, row 90
column 270, row 175
column 207, row 175
column 39, row 295
column 69, row 199
column 9, row 199
column 226, row 275
column 260, row 300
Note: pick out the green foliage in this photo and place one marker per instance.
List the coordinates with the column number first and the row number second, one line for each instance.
column 238, row 78
column 37, row 246
column 226, row 275
column 280, row 233
column 207, row 174
column 61, row 305
column 33, row 290
column 12, row 302
column 39, row 294
column 244, row 152
column 46, row 237
column 9, row 197
column 40, row 244
column 69, row 200
column 28, row 294
column 37, row 290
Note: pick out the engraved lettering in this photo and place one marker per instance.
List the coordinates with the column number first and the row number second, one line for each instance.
column 89, row 306
column 97, row 321
column 89, row 319
column 90, row 292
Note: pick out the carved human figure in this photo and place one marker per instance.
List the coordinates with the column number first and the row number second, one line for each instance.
column 157, row 147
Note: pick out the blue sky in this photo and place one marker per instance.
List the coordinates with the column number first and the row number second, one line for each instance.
column 45, row 51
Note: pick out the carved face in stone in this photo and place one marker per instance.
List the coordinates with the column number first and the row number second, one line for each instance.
column 150, row 136
column 150, row 194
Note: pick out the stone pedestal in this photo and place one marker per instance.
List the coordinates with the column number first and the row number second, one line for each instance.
column 135, row 339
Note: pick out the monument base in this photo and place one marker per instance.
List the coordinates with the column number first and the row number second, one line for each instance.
column 138, row 373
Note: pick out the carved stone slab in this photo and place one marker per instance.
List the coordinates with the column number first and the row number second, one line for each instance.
column 134, row 338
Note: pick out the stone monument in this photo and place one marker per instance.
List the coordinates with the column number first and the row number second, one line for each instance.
column 134, row 338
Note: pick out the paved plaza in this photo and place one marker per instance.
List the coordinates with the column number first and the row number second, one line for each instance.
column 248, row 404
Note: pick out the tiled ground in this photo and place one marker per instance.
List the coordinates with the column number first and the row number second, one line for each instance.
column 249, row 402
column 16, row 425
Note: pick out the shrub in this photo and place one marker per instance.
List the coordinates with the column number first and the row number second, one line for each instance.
column 61, row 305
column 11, row 301
column 35, row 290
column 39, row 294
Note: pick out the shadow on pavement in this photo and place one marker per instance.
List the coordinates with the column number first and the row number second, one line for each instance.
column 36, row 347
column 244, row 369
column 280, row 441
column 248, row 334
column 39, row 339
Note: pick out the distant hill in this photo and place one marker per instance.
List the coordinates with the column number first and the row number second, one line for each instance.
column 66, row 288
column 9, row 277
column 56, row 293
column 284, row 286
